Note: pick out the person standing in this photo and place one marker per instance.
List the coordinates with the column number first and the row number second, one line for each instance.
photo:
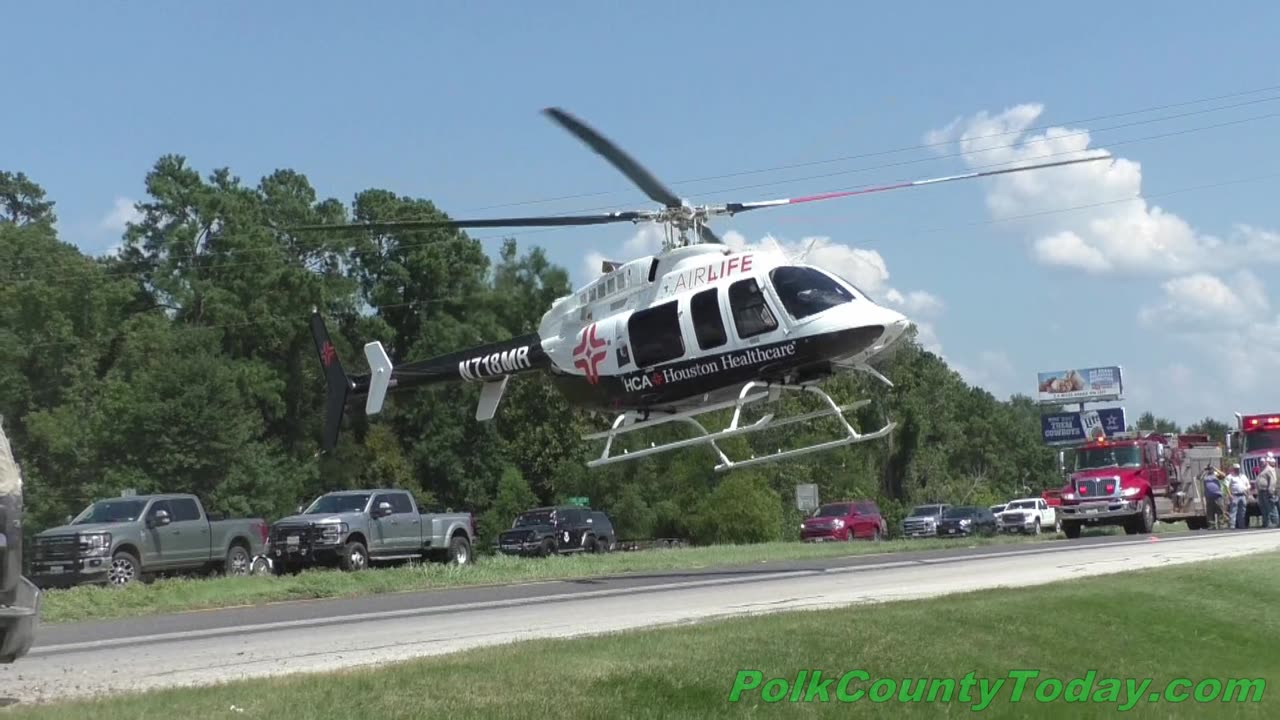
column 1213, row 497
column 1267, row 487
column 1238, row 504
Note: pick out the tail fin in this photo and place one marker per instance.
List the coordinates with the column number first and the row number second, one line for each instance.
column 338, row 387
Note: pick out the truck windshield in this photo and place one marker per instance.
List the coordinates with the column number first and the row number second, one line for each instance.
column 1105, row 457
column 326, row 504
column 1024, row 505
column 960, row 512
column 1262, row 440
column 833, row 511
column 111, row 511
column 542, row 517
column 924, row 510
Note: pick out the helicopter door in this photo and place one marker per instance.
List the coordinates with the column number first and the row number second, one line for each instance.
column 656, row 336
column 754, row 319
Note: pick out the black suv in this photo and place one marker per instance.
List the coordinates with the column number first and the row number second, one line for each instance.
column 560, row 529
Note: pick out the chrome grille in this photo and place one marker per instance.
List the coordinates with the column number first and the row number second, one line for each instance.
column 914, row 525
column 1097, row 487
column 1252, row 466
column 57, row 547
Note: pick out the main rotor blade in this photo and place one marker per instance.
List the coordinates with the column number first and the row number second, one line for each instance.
column 735, row 208
column 544, row 221
column 708, row 235
column 611, row 152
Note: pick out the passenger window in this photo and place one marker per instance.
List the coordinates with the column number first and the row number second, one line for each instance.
column 751, row 314
column 184, row 509
column 655, row 335
column 400, row 503
column 708, row 324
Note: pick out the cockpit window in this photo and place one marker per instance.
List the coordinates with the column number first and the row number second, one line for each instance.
column 806, row 291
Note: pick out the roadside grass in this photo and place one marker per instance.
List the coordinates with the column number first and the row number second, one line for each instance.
column 1197, row 621
column 203, row 593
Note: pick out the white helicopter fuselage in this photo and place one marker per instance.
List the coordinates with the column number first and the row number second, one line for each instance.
column 694, row 324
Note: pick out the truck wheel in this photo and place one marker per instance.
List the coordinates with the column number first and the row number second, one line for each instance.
column 547, row 549
column 237, row 562
column 124, row 569
column 1071, row 530
column 459, row 551
column 1147, row 520
column 1036, row 530
column 354, row 557
column 590, row 545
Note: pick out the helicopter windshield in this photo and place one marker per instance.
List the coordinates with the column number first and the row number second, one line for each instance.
column 805, row 291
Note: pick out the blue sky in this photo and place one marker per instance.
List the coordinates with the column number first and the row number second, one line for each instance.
column 441, row 100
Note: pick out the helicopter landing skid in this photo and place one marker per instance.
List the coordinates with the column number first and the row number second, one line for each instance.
column 632, row 420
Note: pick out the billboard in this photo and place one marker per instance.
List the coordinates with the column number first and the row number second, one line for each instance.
column 1076, row 427
column 1080, row 385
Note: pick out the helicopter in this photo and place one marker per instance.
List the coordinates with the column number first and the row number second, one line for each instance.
column 696, row 328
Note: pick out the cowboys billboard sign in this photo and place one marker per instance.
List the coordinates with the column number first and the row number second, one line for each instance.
column 1074, row 427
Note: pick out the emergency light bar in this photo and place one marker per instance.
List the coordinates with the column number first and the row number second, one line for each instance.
column 1261, row 422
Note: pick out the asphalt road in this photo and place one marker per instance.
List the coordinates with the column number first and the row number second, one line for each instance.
column 214, row 646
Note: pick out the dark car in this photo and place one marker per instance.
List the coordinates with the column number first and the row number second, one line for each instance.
column 557, row 530
column 967, row 520
column 845, row 520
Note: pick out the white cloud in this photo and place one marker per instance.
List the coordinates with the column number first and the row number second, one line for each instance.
column 1222, row 317
column 120, row 216
column 993, row 371
column 1131, row 236
column 1201, row 301
column 916, row 302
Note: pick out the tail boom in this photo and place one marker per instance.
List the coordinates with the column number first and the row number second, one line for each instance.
column 492, row 364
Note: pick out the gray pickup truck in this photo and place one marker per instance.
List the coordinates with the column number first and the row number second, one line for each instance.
column 353, row 527
column 19, row 598
column 123, row 539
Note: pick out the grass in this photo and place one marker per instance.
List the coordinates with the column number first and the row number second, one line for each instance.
column 1203, row 621
column 187, row 594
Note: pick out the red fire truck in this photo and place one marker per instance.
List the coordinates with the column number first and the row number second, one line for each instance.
column 1255, row 437
column 1136, row 479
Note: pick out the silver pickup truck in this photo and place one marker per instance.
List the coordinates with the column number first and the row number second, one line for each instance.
column 353, row 527
column 122, row 539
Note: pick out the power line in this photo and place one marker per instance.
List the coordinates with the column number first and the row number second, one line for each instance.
column 924, row 146
column 405, row 245
column 898, row 235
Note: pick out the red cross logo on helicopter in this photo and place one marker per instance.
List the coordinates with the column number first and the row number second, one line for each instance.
column 585, row 355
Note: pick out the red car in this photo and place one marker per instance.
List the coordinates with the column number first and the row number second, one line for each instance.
column 844, row 520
